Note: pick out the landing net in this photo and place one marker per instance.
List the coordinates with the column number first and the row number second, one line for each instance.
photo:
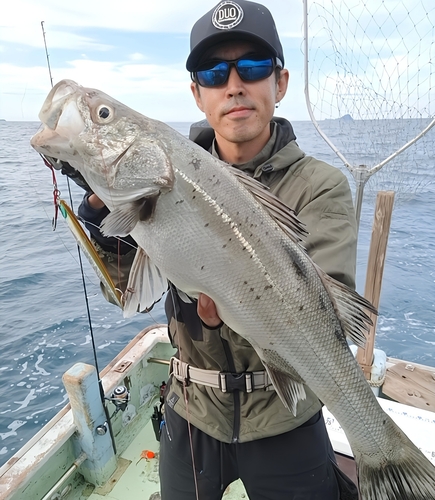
column 369, row 87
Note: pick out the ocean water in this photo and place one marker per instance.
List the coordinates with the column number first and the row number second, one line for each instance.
column 44, row 327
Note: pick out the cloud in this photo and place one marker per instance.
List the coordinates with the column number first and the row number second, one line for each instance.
column 58, row 39
column 134, row 51
column 170, row 16
column 137, row 56
column 130, row 15
column 159, row 91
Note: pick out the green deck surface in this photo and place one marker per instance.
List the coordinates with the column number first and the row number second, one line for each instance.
column 140, row 480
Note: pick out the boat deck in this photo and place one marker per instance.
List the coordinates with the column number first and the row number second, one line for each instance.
column 410, row 383
column 138, row 478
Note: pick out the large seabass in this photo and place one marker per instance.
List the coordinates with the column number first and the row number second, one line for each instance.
column 207, row 228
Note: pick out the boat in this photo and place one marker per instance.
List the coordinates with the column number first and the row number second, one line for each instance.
column 73, row 456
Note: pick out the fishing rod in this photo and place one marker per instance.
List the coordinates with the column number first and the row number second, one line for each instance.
column 46, row 53
column 120, row 396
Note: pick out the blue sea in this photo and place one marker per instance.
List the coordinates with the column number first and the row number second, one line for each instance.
column 44, row 326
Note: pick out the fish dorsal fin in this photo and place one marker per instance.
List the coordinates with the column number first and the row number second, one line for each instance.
column 281, row 213
column 350, row 308
column 289, row 385
column 146, row 285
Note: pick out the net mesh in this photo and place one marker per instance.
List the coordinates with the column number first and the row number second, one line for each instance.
column 369, row 80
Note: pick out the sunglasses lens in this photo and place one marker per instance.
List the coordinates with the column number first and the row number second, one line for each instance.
column 212, row 77
column 251, row 71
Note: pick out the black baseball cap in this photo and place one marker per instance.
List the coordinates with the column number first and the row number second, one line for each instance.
column 234, row 20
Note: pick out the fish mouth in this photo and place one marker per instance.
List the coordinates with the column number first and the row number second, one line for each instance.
column 52, row 108
column 61, row 121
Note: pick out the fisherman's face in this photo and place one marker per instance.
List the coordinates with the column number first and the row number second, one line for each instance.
column 240, row 111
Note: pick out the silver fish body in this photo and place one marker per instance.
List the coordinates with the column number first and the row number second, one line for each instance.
column 208, row 229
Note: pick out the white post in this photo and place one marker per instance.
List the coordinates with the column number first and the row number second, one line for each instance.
column 81, row 383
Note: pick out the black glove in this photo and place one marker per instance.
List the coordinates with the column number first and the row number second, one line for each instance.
column 69, row 171
column 75, row 175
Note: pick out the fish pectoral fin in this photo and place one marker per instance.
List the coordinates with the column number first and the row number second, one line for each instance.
column 146, row 285
column 288, row 385
column 351, row 309
column 122, row 220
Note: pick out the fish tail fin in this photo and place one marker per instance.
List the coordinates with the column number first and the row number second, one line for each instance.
column 411, row 477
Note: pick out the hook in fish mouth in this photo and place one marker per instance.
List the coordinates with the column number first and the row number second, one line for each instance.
column 53, row 162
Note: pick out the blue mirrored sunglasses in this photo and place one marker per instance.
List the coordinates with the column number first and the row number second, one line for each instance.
column 217, row 72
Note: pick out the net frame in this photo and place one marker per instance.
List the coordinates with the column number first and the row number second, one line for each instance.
column 364, row 64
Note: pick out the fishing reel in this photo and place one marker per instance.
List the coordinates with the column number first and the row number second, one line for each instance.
column 120, row 398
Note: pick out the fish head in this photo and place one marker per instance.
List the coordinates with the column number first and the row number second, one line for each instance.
column 116, row 149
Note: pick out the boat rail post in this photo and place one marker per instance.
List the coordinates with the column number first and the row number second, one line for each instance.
column 372, row 292
column 81, row 384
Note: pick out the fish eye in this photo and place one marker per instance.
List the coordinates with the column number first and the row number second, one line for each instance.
column 104, row 112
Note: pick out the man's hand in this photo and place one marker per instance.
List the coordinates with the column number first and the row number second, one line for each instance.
column 95, row 202
column 207, row 311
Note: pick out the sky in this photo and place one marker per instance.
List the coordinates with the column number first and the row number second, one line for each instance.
column 133, row 50
column 368, row 59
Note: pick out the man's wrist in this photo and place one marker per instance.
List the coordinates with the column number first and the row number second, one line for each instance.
column 217, row 327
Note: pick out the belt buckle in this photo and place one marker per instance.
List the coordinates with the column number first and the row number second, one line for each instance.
column 179, row 370
column 173, row 366
column 230, row 382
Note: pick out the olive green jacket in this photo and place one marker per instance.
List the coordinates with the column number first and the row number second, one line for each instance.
column 320, row 196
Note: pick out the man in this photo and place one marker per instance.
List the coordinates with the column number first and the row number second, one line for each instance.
column 214, row 435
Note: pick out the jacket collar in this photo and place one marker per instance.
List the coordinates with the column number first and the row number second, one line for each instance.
column 280, row 151
column 262, row 157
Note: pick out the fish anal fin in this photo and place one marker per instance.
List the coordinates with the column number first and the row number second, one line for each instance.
column 146, row 285
column 288, row 384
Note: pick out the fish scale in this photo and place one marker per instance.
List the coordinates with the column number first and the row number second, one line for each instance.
column 239, row 245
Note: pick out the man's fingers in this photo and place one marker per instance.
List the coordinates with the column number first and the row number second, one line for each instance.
column 207, row 311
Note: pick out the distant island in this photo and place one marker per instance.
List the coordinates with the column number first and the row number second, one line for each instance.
column 2, row 120
column 346, row 118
